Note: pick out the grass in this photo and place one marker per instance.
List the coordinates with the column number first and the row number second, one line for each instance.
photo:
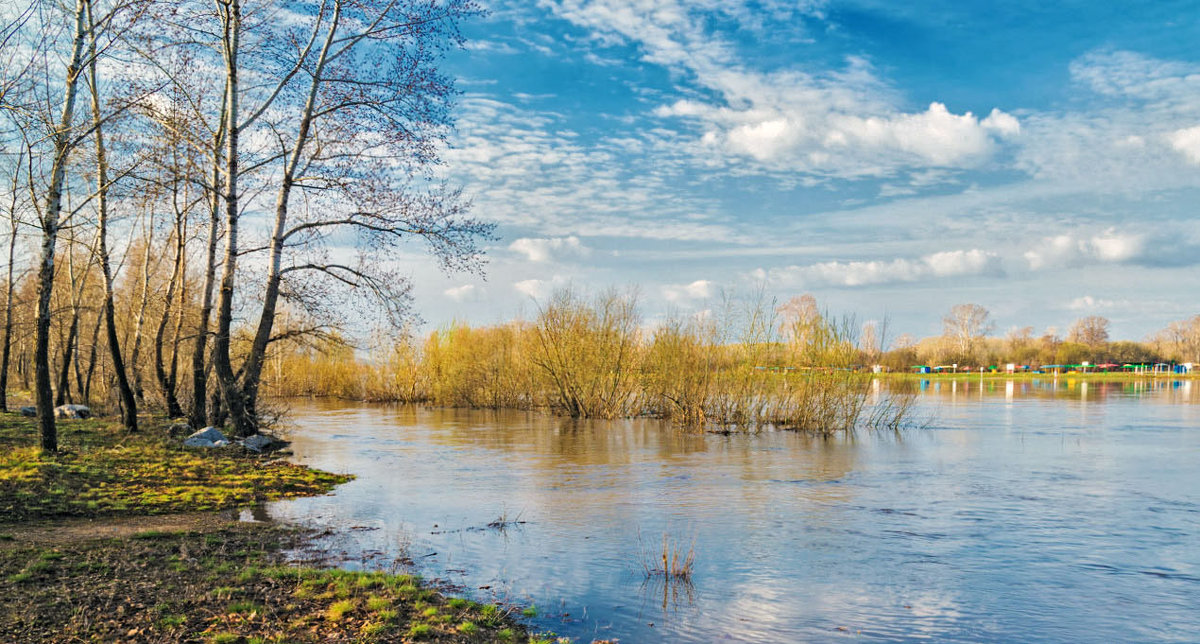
column 672, row 563
column 505, row 521
column 101, row 470
column 168, row 586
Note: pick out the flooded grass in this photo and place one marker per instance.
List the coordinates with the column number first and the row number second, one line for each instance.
column 743, row 368
column 673, row 562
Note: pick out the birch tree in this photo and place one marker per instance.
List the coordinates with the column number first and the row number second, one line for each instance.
column 358, row 162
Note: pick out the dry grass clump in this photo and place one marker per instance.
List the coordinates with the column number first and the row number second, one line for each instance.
column 673, row 562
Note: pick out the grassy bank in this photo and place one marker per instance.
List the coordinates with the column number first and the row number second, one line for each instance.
column 92, row 549
column 228, row 585
column 103, row 471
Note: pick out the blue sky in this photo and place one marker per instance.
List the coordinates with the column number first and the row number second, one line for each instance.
column 893, row 159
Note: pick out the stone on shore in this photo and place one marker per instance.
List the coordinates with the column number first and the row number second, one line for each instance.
column 207, row 437
column 71, row 411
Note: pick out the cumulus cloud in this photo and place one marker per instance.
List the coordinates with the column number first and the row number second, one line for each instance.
column 955, row 263
column 1109, row 246
column 1186, row 141
column 842, row 122
column 539, row 289
column 682, row 293
column 464, row 293
column 1089, row 303
column 546, row 249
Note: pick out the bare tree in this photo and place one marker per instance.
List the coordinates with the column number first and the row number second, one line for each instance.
column 965, row 325
column 1091, row 330
column 63, row 139
column 15, row 216
column 128, row 402
column 374, row 112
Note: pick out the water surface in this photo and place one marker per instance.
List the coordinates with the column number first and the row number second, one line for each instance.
column 1047, row 510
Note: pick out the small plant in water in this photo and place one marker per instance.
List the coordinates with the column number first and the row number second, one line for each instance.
column 504, row 521
column 674, row 562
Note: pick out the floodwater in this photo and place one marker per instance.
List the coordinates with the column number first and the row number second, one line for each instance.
column 1051, row 511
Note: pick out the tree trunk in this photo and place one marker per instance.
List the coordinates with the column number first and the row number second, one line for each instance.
column 139, row 391
column 200, row 363
column 50, row 225
column 63, row 395
column 8, row 299
column 165, row 382
column 128, row 402
column 262, row 337
column 86, row 388
column 222, row 363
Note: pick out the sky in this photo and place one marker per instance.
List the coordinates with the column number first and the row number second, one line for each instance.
column 892, row 159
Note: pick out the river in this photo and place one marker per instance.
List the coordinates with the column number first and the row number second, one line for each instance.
column 1053, row 511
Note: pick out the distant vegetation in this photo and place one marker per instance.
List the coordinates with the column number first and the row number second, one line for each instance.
column 743, row 365
column 749, row 365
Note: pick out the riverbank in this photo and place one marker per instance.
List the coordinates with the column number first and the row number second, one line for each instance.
column 1028, row 376
column 93, row 548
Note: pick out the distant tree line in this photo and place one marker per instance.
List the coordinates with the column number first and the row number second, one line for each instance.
column 967, row 340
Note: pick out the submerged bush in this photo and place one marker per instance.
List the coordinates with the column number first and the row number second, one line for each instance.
column 748, row 365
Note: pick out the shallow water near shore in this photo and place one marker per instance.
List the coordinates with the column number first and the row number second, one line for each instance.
column 1047, row 510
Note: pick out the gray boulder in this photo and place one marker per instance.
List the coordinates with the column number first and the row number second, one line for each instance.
column 260, row 443
column 72, row 411
column 29, row 412
column 207, row 437
column 179, row 429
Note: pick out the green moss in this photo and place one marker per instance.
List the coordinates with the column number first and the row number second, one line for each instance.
column 172, row 621
column 106, row 471
column 530, row 612
column 243, row 607
column 420, row 631
column 339, row 610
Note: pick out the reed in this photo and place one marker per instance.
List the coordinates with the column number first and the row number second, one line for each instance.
column 673, row 562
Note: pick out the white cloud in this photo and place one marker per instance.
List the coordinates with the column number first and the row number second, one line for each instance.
column 526, row 168
column 1187, row 142
column 464, row 293
column 1136, row 134
column 681, row 293
column 843, row 122
column 1109, row 246
column 955, row 263
column 1089, row 303
column 544, row 250
column 539, row 289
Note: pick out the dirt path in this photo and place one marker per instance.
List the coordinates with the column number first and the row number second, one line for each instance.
column 72, row 530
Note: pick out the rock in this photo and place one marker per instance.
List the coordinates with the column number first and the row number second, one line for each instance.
column 29, row 412
column 178, row 429
column 260, row 443
column 207, row 437
column 72, row 411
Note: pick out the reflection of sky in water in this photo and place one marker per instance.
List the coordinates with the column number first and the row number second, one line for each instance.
column 1035, row 511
